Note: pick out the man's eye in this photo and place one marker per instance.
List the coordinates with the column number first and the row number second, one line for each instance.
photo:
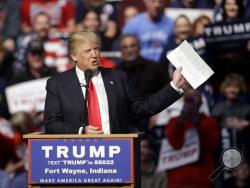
column 86, row 51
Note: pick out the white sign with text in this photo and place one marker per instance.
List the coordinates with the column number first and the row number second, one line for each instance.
column 170, row 158
column 27, row 96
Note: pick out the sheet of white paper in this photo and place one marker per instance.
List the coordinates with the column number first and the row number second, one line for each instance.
column 194, row 69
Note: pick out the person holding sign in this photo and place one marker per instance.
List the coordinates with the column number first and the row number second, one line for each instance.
column 194, row 173
column 109, row 101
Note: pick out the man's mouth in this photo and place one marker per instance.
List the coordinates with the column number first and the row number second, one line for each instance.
column 95, row 62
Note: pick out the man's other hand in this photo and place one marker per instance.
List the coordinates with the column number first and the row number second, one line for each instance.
column 90, row 129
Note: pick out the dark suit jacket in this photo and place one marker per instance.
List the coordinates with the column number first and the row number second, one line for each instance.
column 64, row 109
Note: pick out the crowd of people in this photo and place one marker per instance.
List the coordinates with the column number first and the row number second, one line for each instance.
column 135, row 37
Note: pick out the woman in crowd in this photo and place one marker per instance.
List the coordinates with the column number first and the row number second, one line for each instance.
column 183, row 30
column 107, row 13
column 91, row 21
column 232, row 10
column 199, row 25
column 233, row 115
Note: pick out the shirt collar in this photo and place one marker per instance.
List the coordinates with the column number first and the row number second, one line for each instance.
column 81, row 76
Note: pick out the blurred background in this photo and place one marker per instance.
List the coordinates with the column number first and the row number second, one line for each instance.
column 135, row 36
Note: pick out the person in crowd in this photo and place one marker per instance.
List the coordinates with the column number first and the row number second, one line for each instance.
column 22, row 123
column 229, row 10
column 199, row 25
column 6, row 65
column 9, row 23
column 161, row 119
column 91, row 22
column 129, row 12
column 106, row 11
column 240, row 179
column 144, row 75
column 123, row 5
column 199, row 4
column 12, row 174
column 61, row 13
column 183, row 30
column 158, row 122
column 6, row 74
column 152, row 28
column 232, row 56
column 56, row 54
column 233, row 114
column 232, row 10
column 149, row 177
column 40, row 31
column 35, row 66
column 195, row 174
column 116, row 100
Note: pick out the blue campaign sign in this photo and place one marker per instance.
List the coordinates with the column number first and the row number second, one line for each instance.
column 81, row 161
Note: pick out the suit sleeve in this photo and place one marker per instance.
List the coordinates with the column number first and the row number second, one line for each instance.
column 151, row 104
column 53, row 115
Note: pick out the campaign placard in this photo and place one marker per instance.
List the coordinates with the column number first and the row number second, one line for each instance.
column 228, row 31
column 27, row 96
column 81, row 161
column 189, row 153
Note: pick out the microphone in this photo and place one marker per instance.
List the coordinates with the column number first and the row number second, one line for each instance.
column 88, row 75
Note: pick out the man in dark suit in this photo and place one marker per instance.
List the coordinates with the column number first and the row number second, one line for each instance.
column 65, row 111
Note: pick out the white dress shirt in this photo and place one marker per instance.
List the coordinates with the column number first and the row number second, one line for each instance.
column 101, row 95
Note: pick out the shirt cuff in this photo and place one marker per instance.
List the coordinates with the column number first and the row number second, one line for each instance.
column 81, row 130
column 179, row 90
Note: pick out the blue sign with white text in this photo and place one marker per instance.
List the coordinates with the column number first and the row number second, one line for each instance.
column 81, row 161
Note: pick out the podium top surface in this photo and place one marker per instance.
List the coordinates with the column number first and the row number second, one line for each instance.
column 44, row 136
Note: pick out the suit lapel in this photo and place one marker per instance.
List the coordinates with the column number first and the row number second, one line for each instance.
column 75, row 91
column 109, row 87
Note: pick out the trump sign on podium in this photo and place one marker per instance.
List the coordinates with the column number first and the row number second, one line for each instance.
column 81, row 161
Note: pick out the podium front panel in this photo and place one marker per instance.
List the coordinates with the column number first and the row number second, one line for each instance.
column 81, row 161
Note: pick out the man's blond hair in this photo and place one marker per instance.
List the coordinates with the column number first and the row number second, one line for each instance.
column 79, row 38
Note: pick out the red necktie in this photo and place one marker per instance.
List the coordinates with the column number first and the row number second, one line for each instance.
column 93, row 108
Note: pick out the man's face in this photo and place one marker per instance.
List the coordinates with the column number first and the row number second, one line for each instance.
column 130, row 12
column 87, row 56
column 91, row 22
column 155, row 8
column 129, row 48
column 41, row 26
column 182, row 28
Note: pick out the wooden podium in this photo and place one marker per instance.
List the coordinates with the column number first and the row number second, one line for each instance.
column 75, row 161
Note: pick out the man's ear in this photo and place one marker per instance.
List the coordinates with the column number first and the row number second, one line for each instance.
column 73, row 57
